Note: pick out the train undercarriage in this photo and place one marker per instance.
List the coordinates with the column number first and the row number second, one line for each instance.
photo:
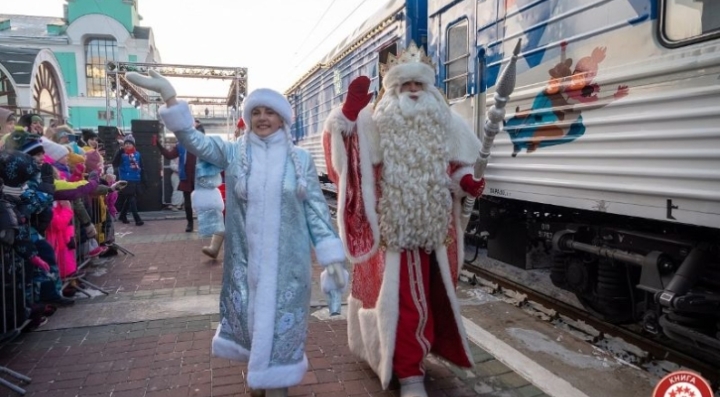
column 660, row 276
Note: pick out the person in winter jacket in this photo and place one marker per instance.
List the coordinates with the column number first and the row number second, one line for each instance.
column 128, row 163
column 186, row 171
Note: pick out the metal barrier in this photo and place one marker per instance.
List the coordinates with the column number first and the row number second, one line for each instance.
column 15, row 307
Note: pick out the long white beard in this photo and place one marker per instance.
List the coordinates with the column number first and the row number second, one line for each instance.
column 415, row 204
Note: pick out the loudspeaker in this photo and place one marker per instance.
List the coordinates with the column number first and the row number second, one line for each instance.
column 108, row 136
column 143, row 132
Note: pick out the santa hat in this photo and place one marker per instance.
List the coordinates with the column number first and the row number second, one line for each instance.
column 56, row 151
column 277, row 102
column 93, row 160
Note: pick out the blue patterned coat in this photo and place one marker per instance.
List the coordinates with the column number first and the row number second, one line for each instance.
column 265, row 296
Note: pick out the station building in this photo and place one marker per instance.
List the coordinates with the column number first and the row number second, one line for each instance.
column 55, row 66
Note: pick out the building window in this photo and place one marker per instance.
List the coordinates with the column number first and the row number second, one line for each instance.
column 103, row 115
column 97, row 53
column 688, row 21
column 456, row 63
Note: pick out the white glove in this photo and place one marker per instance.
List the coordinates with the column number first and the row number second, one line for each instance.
column 337, row 272
column 155, row 83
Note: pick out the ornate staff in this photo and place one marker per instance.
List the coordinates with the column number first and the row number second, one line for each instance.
column 496, row 114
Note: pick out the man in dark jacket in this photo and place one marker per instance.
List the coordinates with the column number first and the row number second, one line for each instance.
column 128, row 163
column 186, row 172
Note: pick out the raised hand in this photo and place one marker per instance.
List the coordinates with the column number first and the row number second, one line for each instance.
column 357, row 97
column 156, row 83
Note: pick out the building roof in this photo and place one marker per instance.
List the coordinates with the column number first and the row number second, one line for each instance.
column 19, row 62
column 28, row 25
column 36, row 27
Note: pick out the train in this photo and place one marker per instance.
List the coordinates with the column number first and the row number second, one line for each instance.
column 608, row 165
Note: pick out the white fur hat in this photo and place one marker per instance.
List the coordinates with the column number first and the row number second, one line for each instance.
column 268, row 98
column 56, row 151
column 411, row 71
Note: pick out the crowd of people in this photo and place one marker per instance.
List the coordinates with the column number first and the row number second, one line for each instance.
column 57, row 205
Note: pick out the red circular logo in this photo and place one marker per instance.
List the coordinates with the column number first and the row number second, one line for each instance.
column 683, row 384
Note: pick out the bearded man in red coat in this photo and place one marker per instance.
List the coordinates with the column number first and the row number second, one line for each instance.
column 402, row 168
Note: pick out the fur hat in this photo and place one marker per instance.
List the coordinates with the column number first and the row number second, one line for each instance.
column 129, row 138
column 93, row 160
column 277, row 102
column 54, row 150
column 268, row 98
column 61, row 131
column 412, row 71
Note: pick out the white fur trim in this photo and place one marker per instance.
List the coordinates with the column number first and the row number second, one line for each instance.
column 411, row 71
column 329, row 251
column 366, row 126
column 267, row 98
column 340, row 162
column 371, row 332
column 228, row 349
column 207, row 199
column 337, row 123
column 327, row 282
column 178, row 117
column 441, row 255
column 463, row 145
column 263, row 214
column 456, row 177
column 278, row 376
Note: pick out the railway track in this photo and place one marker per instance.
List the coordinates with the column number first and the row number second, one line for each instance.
column 628, row 345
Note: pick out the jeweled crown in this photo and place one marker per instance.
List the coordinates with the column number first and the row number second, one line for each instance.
column 412, row 53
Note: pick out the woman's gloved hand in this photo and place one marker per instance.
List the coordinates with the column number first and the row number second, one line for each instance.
column 156, row 83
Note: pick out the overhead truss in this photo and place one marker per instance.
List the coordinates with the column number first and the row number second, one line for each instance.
column 119, row 87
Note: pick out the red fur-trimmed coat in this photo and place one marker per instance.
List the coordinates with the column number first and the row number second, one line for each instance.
column 354, row 164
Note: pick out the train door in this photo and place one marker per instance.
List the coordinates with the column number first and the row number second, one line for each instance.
column 382, row 59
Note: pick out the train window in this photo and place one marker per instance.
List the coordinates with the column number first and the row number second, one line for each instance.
column 689, row 21
column 456, row 64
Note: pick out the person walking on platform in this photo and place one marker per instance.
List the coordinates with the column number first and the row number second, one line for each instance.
column 275, row 211
column 128, row 163
column 402, row 168
column 186, row 171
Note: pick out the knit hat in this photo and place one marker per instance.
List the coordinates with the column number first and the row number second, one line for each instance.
column 5, row 115
column 16, row 168
column 61, row 131
column 74, row 158
column 32, row 146
column 93, row 161
column 129, row 138
column 54, row 150
column 27, row 119
column 277, row 102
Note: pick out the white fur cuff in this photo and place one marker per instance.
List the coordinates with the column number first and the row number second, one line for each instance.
column 329, row 251
column 337, row 123
column 327, row 282
column 456, row 177
column 177, row 118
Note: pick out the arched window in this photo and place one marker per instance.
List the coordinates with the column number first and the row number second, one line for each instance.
column 98, row 51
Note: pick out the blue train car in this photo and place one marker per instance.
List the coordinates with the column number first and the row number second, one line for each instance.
column 609, row 162
column 324, row 86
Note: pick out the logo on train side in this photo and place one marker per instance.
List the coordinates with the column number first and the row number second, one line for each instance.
column 683, row 384
column 555, row 116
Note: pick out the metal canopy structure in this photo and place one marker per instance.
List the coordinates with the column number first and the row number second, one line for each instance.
column 119, row 87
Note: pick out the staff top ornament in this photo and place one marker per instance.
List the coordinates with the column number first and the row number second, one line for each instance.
column 412, row 53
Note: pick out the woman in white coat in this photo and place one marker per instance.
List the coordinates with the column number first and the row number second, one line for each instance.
column 275, row 211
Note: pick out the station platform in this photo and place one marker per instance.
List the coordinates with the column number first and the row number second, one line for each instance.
column 151, row 337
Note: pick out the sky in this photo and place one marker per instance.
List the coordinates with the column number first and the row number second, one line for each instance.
column 274, row 39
